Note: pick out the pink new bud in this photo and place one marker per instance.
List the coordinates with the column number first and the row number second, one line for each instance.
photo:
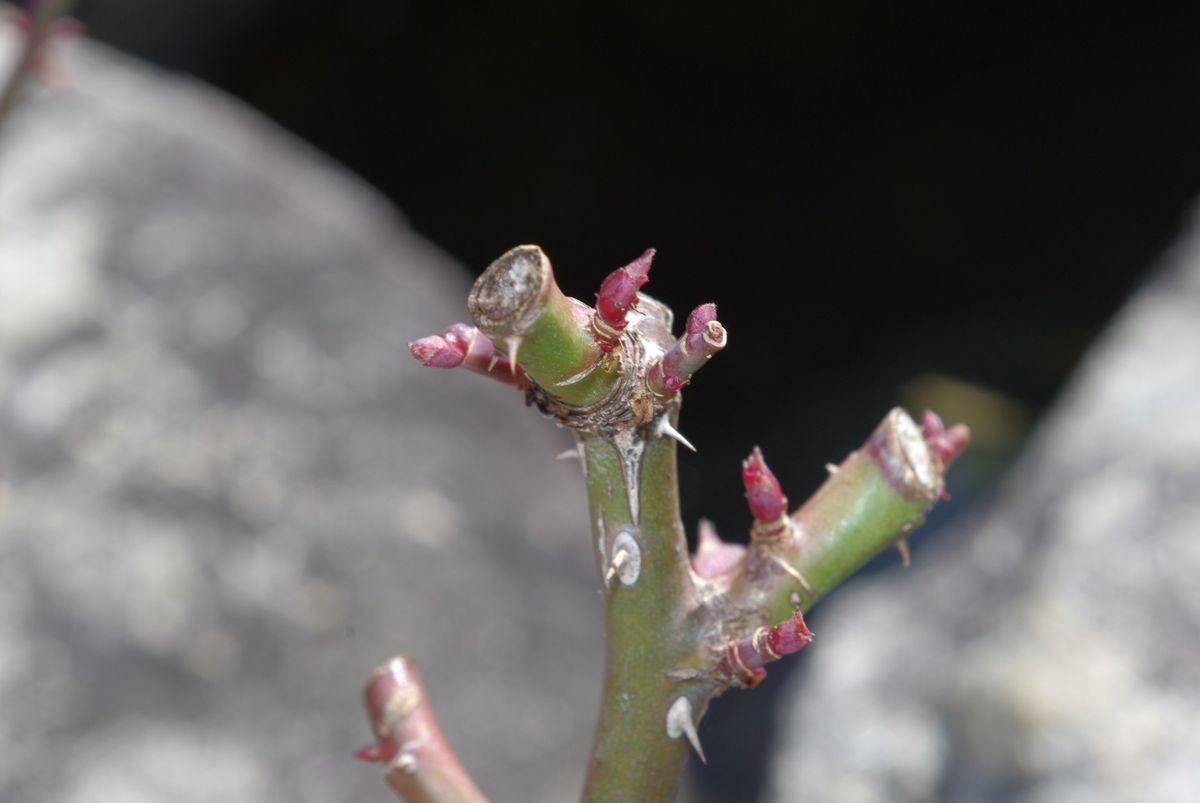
column 746, row 657
column 947, row 444
column 763, row 494
column 465, row 345
column 437, row 351
column 619, row 291
column 700, row 317
column 790, row 636
column 703, row 337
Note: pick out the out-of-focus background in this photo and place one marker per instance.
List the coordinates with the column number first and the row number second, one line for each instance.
column 228, row 491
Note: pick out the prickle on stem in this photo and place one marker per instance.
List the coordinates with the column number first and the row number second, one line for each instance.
column 618, row 294
column 680, row 723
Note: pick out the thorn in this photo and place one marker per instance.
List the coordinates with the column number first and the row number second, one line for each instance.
column 665, row 428
column 679, row 723
column 568, row 454
column 618, row 560
column 405, row 762
column 495, row 359
column 902, row 548
column 831, row 468
column 690, row 729
column 514, row 344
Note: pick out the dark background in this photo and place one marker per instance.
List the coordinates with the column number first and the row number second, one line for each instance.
column 874, row 194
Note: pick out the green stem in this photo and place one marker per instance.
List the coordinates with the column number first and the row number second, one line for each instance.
column 870, row 503
column 517, row 303
column 647, row 624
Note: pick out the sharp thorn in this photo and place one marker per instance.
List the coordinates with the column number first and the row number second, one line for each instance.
column 514, row 344
column 618, row 560
column 689, row 730
column 831, row 468
column 665, row 428
column 614, row 566
column 568, row 454
column 902, row 548
column 404, row 762
column 679, row 723
column 495, row 359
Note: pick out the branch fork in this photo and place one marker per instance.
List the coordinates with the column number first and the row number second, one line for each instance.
column 681, row 629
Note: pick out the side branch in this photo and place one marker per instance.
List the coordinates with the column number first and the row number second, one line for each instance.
column 870, row 502
column 421, row 767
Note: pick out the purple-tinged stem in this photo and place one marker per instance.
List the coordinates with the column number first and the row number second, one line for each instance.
column 703, row 337
column 465, row 346
column 618, row 294
column 421, row 767
column 745, row 658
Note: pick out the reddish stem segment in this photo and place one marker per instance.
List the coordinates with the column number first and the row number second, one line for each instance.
column 765, row 497
column 703, row 337
column 466, row 346
column 421, row 767
column 618, row 294
column 745, row 658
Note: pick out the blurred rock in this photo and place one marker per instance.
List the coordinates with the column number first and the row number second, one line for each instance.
column 1051, row 650
column 229, row 490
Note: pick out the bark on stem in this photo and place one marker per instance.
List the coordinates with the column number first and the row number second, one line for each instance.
column 648, row 626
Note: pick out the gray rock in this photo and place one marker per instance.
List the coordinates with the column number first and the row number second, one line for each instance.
column 229, row 490
column 1051, row 650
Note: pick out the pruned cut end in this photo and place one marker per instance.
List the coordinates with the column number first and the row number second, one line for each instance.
column 904, row 457
column 509, row 295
